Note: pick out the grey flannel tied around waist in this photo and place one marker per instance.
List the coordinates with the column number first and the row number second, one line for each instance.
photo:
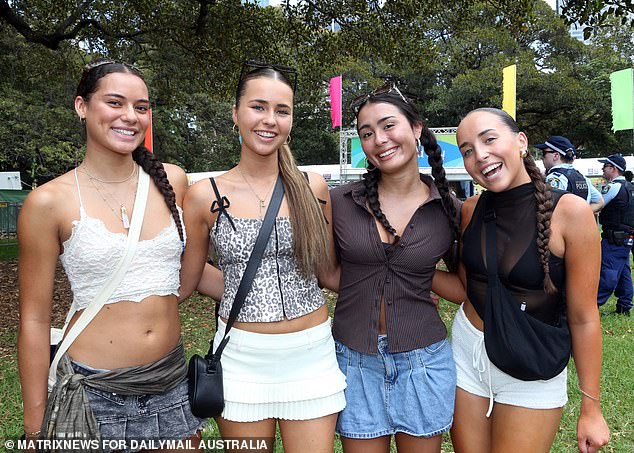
column 68, row 412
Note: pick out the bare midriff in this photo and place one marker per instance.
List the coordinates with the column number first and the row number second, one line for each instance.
column 312, row 319
column 125, row 334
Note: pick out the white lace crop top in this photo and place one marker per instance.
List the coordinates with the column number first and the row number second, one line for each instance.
column 279, row 289
column 91, row 253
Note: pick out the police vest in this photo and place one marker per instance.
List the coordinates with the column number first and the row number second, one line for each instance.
column 577, row 184
column 618, row 214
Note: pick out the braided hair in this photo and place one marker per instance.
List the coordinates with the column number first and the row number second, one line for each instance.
column 371, row 180
column 154, row 167
column 434, row 153
column 88, row 85
column 428, row 140
column 543, row 200
column 544, row 204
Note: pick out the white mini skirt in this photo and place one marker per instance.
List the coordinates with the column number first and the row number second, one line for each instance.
column 291, row 376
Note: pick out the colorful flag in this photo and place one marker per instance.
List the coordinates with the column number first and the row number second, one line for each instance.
column 622, row 100
column 149, row 142
column 509, row 75
column 335, row 101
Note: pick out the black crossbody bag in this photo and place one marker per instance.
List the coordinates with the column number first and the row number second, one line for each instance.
column 206, row 392
column 516, row 342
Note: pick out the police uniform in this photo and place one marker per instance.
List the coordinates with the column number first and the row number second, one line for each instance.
column 566, row 177
column 616, row 244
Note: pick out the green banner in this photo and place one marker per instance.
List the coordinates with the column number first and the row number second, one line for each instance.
column 622, row 100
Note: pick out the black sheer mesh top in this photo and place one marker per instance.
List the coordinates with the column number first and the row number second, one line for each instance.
column 519, row 266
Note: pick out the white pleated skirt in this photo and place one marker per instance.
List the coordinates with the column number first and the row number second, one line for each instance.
column 290, row 376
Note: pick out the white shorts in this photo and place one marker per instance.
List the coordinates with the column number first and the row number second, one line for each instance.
column 291, row 376
column 479, row 376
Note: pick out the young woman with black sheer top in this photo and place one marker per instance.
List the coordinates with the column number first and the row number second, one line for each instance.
column 548, row 258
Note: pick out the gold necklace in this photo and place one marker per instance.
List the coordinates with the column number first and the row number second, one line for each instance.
column 127, row 178
column 262, row 201
column 123, row 213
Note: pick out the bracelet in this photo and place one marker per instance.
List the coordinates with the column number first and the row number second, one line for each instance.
column 593, row 398
column 33, row 434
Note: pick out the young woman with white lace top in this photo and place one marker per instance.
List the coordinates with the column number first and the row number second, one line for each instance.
column 82, row 217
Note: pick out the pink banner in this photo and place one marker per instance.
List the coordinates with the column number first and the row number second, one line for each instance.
column 335, row 101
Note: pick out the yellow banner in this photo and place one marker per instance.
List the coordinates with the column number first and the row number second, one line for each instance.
column 508, row 89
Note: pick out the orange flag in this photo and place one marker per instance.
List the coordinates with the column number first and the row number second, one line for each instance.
column 149, row 142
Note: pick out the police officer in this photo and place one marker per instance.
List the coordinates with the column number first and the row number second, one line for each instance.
column 617, row 220
column 558, row 154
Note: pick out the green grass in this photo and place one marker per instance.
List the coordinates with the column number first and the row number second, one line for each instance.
column 617, row 380
column 8, row 252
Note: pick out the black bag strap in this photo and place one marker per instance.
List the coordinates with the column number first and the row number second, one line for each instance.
column 252, row 266
column 490, row 226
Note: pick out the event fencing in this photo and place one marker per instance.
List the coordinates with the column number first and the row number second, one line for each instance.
column 9, row 222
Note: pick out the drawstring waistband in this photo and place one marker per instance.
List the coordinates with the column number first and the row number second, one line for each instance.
column 480, row 363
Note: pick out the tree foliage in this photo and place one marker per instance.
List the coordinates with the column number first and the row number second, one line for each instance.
column 448, row 55
column 594, row 15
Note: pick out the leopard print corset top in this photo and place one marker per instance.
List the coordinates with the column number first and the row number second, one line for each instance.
column 279, row 289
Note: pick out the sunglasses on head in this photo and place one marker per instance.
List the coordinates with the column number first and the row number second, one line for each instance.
column 252, row 65
column 388, row 88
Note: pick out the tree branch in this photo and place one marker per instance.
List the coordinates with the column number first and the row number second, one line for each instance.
column 67, row 29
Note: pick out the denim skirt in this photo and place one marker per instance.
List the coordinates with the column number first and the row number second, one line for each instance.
column 409, row 392
column 165, row 416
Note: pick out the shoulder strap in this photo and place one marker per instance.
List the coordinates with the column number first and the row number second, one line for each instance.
column 491, row 243
column 81, row 204
column 91, row 311
column 252, row 265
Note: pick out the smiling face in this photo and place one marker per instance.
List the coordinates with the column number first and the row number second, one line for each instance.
column 492, row 151
column 264, row 115
column 116, row 113
column 387, row 137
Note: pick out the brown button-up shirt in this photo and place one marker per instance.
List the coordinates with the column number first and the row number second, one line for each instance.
column 402, row 276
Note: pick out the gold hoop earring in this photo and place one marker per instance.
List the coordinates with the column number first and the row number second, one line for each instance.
column 82, row 121
column 288, row 140
column 524, row 153
column 233, row 129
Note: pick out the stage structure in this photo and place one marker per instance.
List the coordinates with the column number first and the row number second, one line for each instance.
column 352, row 160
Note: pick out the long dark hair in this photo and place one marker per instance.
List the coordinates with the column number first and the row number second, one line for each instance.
column 88, row 85
column 310, row 236
column 428, row 140
column 543, row 196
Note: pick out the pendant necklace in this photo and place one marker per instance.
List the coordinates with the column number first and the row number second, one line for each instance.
column 262, row 201
column 96, row 182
